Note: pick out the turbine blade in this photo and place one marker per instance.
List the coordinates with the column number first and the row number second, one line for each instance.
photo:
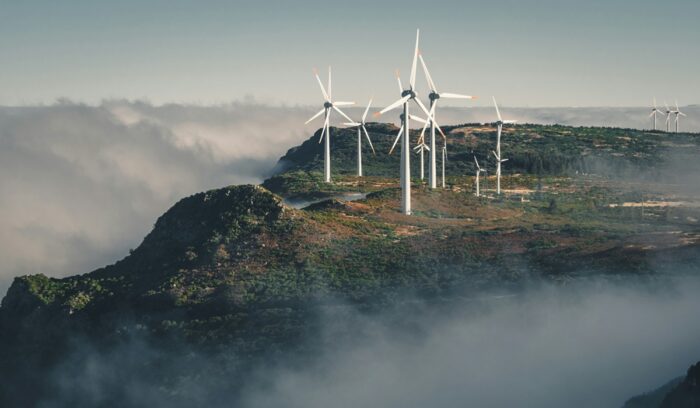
column 315, row 116
column 396, row 140
column 368, row 139
column 415, row 61
column 477, row 163
column 323, row 90
column 427, row 74
column 417, row 118
column 343, row 103
column 425, row 110
column 342, row 114
column 352, row 124
column 395, row 104
column 325, row 127
column 456, row 96
column 495, row 155
column 330, row 93
column 364, row 115
column 498, row 112
column 398, row 79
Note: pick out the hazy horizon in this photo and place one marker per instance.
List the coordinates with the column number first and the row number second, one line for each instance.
column 526, row 53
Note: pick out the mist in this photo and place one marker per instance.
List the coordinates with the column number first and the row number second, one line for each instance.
column 587, row 344
column 80, row 184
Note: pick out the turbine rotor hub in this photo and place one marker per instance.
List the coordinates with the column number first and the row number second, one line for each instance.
column 408, row 92
column 327, row 105
column 434, row 96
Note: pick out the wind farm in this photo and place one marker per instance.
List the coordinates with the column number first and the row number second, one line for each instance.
column 517, row 225
column 404, row 139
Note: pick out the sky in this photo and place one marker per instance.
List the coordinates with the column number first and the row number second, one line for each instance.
column 541, row 53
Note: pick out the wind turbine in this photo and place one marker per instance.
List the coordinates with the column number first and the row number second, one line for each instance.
column 678, row 114
column 434, row 96
column 406, row 96
column 361, row 128
column 497, row 153
column 654, row 112
column 328, row 105
column 478, row 173
column 668, row 117
column 421, row 146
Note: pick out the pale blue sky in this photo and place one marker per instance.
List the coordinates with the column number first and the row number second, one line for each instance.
column 527, row 53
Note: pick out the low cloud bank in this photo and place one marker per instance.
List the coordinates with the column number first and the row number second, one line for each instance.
column 583, row 345
column 588, row 346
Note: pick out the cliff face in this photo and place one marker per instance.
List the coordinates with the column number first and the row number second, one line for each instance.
column 687, row 393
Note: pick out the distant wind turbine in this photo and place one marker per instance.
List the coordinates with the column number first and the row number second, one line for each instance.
column 668, row 113
column 361, row 128
column 478, row 173
column 497, row 153
column 678, row 114
column 434, row 96
column 328, row 105
column 406, row 96
column 421, row 146
column 654, row 112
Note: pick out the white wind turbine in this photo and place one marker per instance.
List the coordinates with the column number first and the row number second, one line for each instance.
column 421, row 146
column 478, row 173
column 678, row 114
column 328, row 105
column 497, row 153
column 361, row 128
column 668, row 113
column 406, row 96
column 434, row 96
column 654, row 112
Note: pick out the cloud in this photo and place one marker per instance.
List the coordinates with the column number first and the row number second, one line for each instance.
column 80, row 185
column 589, row 344
column 594, row 345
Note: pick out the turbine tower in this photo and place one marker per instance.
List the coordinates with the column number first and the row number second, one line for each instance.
column 678, row 114
column 444, row 160
column 434, row 96
column 406, row 96
column 361, row 128
column 668, row 113
column 654, row 112
column 497, row 153
column 328, row 105
column 478, row 173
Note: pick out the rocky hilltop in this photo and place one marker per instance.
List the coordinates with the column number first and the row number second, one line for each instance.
column 240, row 269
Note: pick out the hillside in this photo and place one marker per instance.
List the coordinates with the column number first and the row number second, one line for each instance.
column 237, row 269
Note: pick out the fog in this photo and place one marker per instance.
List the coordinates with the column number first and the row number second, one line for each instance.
column 80, row 185
column 588, row 344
